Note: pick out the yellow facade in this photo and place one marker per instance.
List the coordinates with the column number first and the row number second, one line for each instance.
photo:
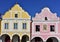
column 16, row 9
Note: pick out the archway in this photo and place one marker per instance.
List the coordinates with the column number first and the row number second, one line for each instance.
column 15, row 38
column 37, row 39
column 5, row 38
column 25, row 38
column 52, row 39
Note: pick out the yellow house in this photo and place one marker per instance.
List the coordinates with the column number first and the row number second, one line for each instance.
column 15, row 25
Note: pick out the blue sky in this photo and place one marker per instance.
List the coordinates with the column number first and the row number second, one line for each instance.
column 31, row 6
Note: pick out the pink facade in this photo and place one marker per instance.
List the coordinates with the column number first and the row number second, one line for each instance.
column 46, row 25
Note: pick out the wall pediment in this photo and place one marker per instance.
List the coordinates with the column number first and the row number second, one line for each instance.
column 16, row 9
column 46, row 13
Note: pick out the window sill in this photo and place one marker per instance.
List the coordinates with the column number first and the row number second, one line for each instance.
column 53, row 32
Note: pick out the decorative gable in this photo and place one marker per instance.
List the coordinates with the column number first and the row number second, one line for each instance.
column 16, row 9
column 46, row 14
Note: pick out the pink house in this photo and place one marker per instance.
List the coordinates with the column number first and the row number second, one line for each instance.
column 45, row 27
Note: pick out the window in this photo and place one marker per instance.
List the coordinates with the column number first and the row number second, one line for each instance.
column 44, row 27
column 6, row 25
column 24, row 25
column 52, row 28
column 46, row 18
column 16, row 15
column 37, row 28
column 15, row 25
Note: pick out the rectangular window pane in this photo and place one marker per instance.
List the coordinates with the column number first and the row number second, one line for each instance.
column 46, row 18
column 15, row 25
column 52, row 28
column 24, row 25
column 16, row 15
column 37, row 27
column 6, row 25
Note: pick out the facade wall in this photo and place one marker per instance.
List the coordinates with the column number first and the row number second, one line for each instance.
column 39, row 19
column 30, row 31
column 59, row 27
column 9, row 17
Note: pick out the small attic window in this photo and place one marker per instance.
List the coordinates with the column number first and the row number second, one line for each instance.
column 46, row 18
column 16, row 15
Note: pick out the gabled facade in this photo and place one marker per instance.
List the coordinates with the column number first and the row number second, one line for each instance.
column 15, row 25
column 45, row 27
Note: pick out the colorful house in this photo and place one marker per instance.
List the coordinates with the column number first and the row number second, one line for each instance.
column 15, row 25
column 45, row 27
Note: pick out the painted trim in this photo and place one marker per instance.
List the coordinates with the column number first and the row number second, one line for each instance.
column 16, row 18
